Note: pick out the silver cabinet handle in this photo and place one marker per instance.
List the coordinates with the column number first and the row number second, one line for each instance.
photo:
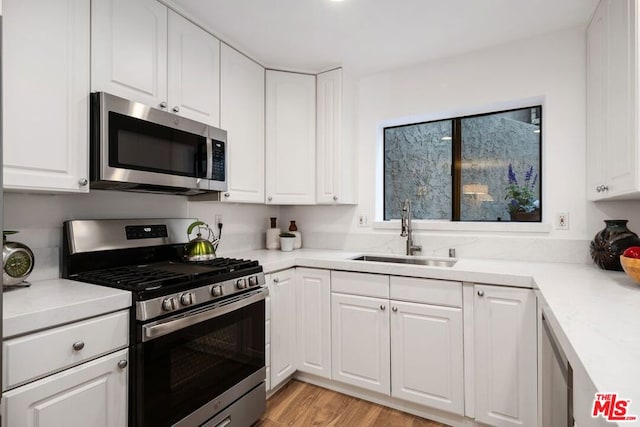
column 383, row 307
column 163, row 104
column 276, row 280
column 226, row 194
column 77, row 346
column 394, row 309
column 480, row 293
column 176, row 109
column 83, row 182
column 335, row 198
column 269, row 198
column 122, row 364
column 602, row 188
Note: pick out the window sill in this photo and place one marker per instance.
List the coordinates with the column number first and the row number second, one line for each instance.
column 487, row 227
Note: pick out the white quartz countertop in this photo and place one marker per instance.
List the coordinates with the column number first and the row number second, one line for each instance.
column 594, row 313
column 49, row 303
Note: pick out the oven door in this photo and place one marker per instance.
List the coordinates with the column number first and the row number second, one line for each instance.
column 194, row 365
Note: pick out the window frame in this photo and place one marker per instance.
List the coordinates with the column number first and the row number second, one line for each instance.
column 456, row 161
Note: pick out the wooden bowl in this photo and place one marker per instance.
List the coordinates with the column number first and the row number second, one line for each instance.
column 631, row 266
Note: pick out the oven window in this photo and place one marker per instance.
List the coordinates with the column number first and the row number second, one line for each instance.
column 184, row 370
column 145, row 146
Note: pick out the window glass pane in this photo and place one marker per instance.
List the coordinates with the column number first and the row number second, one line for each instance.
column 417, row 166
column 492, row 145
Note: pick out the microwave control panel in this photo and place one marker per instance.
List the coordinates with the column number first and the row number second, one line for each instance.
column 218, row 165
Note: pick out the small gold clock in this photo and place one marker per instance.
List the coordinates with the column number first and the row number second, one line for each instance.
column 17, row 261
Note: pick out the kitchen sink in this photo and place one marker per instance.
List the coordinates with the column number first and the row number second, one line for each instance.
column 430, row 262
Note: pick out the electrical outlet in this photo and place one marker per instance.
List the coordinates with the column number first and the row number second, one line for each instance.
column 218, row 220
column 363, row 221
column 562, row 221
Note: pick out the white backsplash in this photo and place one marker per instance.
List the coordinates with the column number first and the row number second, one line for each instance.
column 482, row 247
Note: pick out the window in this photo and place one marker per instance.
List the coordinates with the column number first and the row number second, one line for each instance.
column 477, row 168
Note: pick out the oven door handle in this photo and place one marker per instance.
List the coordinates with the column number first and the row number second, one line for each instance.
column 167, row 326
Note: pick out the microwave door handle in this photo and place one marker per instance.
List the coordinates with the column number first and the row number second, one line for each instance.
column 209, row 171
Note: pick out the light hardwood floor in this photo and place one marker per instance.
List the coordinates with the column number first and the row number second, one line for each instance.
column 302, row 404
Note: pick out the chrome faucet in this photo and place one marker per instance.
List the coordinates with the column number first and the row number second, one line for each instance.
column 406, row 230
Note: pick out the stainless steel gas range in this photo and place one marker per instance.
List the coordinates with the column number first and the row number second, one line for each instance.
column 197, row 329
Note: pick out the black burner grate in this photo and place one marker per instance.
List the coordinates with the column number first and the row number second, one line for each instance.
column 154, row 276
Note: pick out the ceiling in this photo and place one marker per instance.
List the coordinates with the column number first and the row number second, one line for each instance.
column 369, row 36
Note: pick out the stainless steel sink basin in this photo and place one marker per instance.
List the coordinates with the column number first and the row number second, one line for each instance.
column 430, row 262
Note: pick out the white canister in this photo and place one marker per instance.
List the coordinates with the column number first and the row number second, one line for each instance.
column 273, row 238
column 286, row 243
column 298, row 241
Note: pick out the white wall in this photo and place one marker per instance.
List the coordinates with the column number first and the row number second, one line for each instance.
column 550, row 67
column 39, row 219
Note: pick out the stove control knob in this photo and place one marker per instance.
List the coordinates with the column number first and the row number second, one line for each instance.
column 253, row 281
column 169, row 304
column 216, row 291
column 241, row 283
column 186, row 298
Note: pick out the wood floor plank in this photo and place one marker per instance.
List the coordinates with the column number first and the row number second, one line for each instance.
column 302, row 404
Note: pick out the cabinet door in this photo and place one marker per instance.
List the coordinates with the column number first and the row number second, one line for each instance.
column 242, row 116
column 92, row 394
column 290, row 138
column 194, row 71
column 129, row 50
column 267, row 336
column 427, row 356
column 46, row 94
column 329, row 136
column 360, row 342
column 313, row 314
column 620, row 154
column 505, row 356
column 596, row 108
column 283, row 325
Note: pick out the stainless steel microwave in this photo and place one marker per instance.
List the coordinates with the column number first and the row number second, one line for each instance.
column 138, row 148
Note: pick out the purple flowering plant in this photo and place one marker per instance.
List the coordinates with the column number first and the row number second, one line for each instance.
column 522, row 197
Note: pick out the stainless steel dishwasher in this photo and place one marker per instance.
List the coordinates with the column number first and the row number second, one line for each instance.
column 557, row 381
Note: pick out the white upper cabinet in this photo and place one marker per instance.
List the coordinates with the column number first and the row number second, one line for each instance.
column 194, row 71
column 45, row 68
column 129, row 50
column 612, row 136
column 290, row 138
column 336, row 171
column 242, row 116
column 143, row 52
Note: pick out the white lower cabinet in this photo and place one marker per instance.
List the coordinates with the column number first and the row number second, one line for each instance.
column 360, row 341
column 283, row 325
column 267, row 337
column 91, row 394
column 407, row 338
column 313, row 321
column 505, row 356
column 427, row 355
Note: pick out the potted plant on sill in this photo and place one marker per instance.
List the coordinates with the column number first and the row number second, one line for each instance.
column 523, row 205
column 287, row 241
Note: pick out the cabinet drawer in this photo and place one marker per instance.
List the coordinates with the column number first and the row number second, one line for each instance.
column 428, row 291
column 370, row 285
column 42, row 353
